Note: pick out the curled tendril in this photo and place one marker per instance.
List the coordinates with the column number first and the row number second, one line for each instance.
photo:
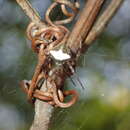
column 49, row 36
column 70, row 15
column 53, row 96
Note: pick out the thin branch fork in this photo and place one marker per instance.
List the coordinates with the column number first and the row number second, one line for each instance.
column 102, row 22
column 84, row 24
column 86, row 37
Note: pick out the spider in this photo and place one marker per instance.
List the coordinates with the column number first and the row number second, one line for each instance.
column 45, row 40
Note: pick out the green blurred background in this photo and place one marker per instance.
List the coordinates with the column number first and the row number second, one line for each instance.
column 104, row 71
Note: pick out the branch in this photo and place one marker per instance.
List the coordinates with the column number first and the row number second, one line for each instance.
column 84, row 24
column 30, row 12
column 102, row 22
column 43, row 113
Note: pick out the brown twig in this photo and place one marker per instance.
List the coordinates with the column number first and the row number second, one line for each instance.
column 84, row 24
column 102, row 22
column 30, row 12
column 43, row 113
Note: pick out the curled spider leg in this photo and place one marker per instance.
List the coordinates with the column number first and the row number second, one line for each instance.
column 103, row 20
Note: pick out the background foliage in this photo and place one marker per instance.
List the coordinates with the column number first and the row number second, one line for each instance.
column 104, row 71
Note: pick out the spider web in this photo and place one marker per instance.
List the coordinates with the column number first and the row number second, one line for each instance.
column 104, row 72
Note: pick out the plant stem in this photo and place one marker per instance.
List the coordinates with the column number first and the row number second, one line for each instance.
column 102, row 22
column 84, row 24
column 43, row 113
column 30, row 12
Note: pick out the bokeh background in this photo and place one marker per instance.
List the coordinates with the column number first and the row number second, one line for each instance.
column 104, row 71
